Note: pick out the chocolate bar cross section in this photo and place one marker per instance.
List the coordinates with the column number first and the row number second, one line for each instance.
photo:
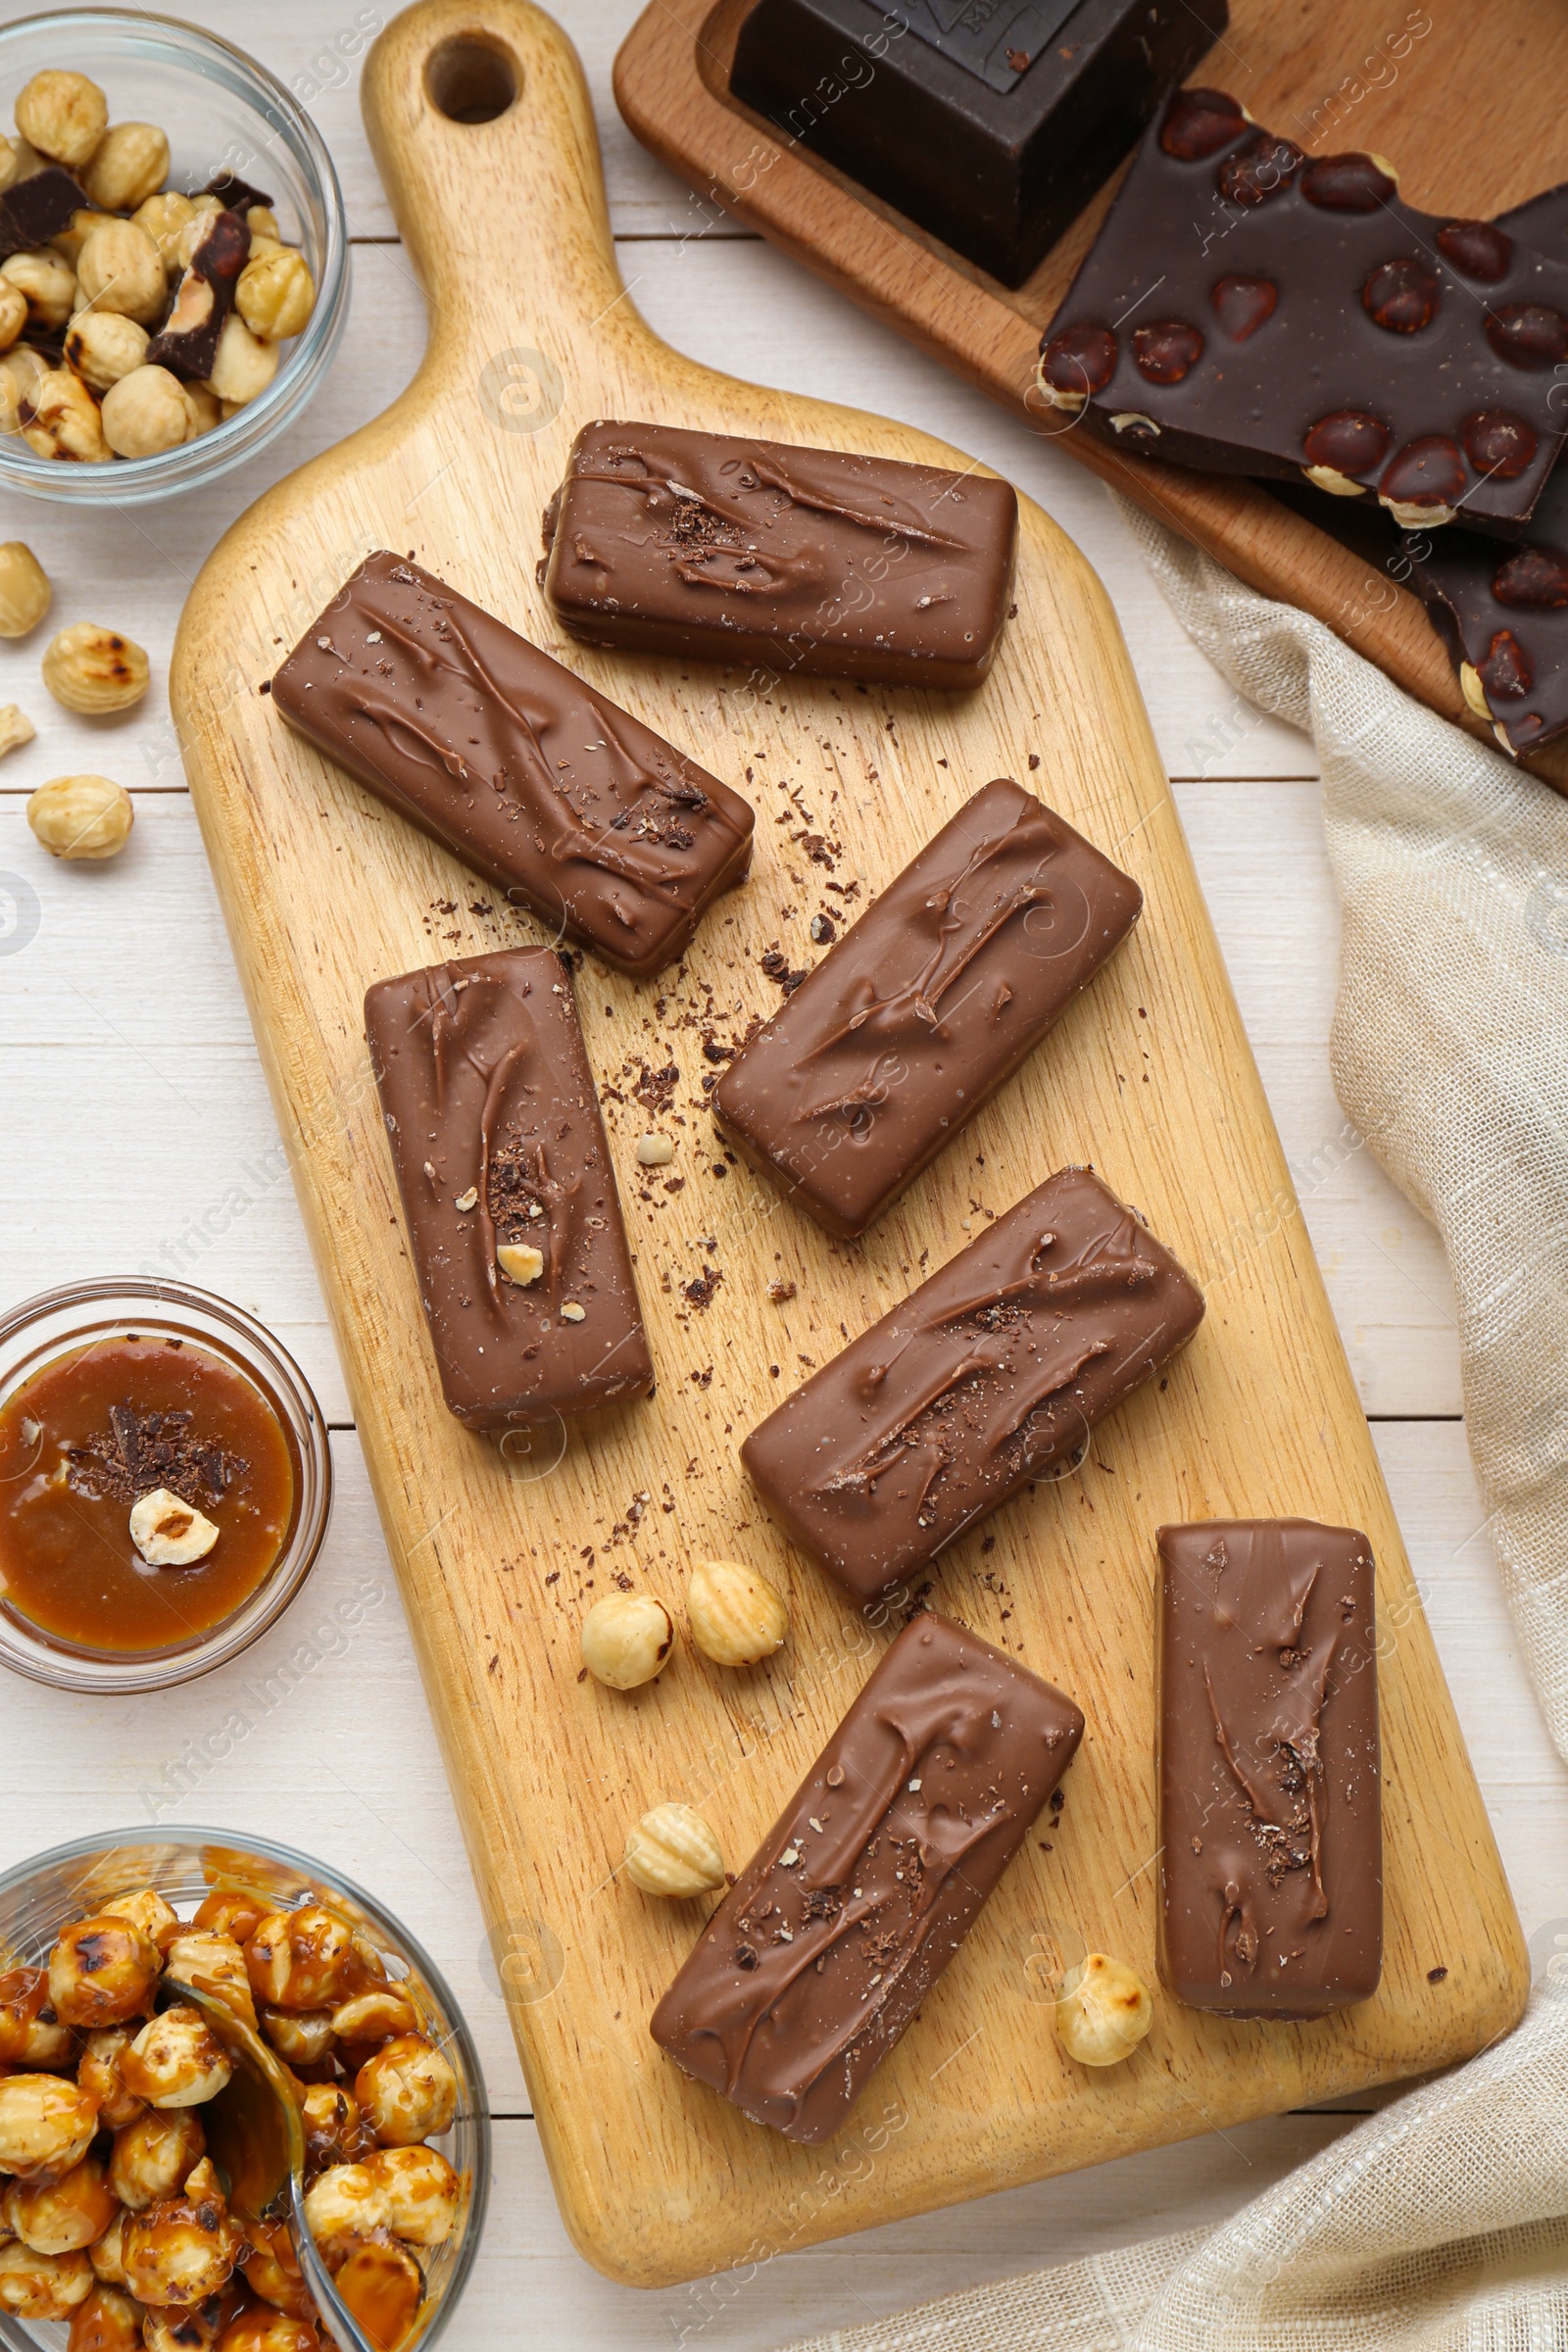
column 570, row 805
column 513, row 1219
column 1270, row 1799
column 997, row 1367
column 1252, row 310
column 925, row 1008
column 664, row 540
column 857, row 1898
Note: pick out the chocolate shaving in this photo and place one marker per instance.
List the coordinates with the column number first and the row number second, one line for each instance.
column 143, row 1451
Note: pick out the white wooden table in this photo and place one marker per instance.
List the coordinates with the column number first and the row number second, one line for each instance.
column 135, row 1134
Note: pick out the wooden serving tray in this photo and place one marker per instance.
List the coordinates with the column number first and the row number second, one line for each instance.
column 1469, row 103
column 1150, row 1076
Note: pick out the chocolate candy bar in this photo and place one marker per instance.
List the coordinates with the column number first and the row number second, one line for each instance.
column 502, row 1163
column 997, row 1367
column 925, row 1008
column 565, row 803
column 36, row 209
column 991, row 126
column 819, row 1956
column 1252, row 310
column 1270, row 1802
column 667, row 541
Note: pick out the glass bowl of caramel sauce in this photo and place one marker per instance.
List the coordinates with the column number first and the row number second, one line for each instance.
column 166, row 1482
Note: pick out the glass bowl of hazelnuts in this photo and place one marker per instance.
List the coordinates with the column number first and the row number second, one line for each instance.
column 173, row 257
column 128, row 2122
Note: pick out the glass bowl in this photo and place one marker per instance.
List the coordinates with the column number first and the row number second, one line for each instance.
column 41, row 1329
column 222, row 111
column 72, row 1881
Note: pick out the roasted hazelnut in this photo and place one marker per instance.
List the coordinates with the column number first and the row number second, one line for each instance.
column 45, row 2045
column 1527, row 334
column 176, row 2061
column 671, row 1851
column 259, row 2331
column 407, row 2092
column 59, row 420
column 346, row 2202
column 24, row 593
column 383, row 2286
column 626, row 1640
column 154, row 2157
column 203, row 409
column 42, row 2287
column 103, row 347
column 57, row 2217
column 304, row 2037
column 422, row 2191
column 1349, row 183
column 333, row 2135
column 93, row 670
column 520, row 1262
column 22, row 370
column 69, row 241
column 192, row 2326
column 168, row 1531
column 109, row 2321
column 183, row 2248
column 145, row 1908
column 24, row 1996
column 46, row 282
column 15, row 729
column 1423, row 483
column 64, row 115
column 243, row 368
column 376, row 2016
column 1499, row 444
column 82, row 817
column 1532, row 579
column 1198, row 124
column 99, row 2072
column 275, row 294
column 10, row 161
column 736, row 1616
column 214, row 1964
column 301, row 1960
column 163, row 217
column 1081, row 359
column 1261, row 170
column 107, row 2254
column 129, row 164
column 121, row 268
column 46, row 2125
column 12, row 313
column 1104, row 2012
column 272, row 2271
column 233, row 1911
column 102, row 1970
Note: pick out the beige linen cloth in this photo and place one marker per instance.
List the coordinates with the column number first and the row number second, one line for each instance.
column 1440, row 2224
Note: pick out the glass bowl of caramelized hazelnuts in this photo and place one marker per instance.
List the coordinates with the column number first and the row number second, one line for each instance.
column 173, row 257
column 126, row 2130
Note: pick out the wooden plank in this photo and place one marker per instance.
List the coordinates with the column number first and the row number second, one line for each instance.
column 1294, row 63
column 292, row 845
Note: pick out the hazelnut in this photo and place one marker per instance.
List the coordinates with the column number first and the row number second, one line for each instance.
column 46, row 282
column 301, row 1959
column 146, row 1909
column 60, row 419
column 12, row 313
column 626, row 1640
column 203, row 409
column 211, row 1964
column 736, row 1616
column 261, row 221
column 24, row 589
column 91, row 669
column 129, row 164
column 63, row 2216
column 152, row 2158
column 102, row 347
column 521, row 1261
column 423, row 2191
column 1475, row 694
column 176, row 2061
column 64, row 115
column 121, row 268
column 408, row 2092
column 42, row 2287
column 107, row 2253
column 70, row 240
column 376, row 2016
column 672, row 1851
column 102, row 1971
column 46, row 2125
column 109, row 2321
column 1104, row 2011
column 99, row 2072
column 346, row 2201
column 162, row 218
column 654, row 1151
column 243, row 368
column 15, row 729
column 145, row 414
column 275, row 294
column 9, row 163
column 21, row 370
column 304, row 2037
column 82, row 817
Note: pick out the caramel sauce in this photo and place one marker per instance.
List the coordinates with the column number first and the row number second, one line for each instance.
column 87, row 1432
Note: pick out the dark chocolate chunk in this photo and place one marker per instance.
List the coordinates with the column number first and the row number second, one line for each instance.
column 36, row 209
column 1270, row 1828
column 985, row 1376
column 501, row 1160
column 187, row 345
column 236, row 194
column 665, row 540
column 820, row 1955
column 989, row 126
column 925, row 1008
column 564, row 801
column 1389, row 331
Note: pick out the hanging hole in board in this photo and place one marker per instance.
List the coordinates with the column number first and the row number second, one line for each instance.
column 472, row 80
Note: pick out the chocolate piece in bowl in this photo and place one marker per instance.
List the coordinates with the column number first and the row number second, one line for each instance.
column 820, row 1955
column 187, row 343
column 1248, row 309
column 666, row 540
column 1270, row 1797
column 925, row 1008
column 567, row 803
column 979, row 1380
column 36, row 209
column 991, row 128
column 513, row 1219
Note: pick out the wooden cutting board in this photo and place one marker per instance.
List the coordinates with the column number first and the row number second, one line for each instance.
column 1150, row 1077
column 1471, row 103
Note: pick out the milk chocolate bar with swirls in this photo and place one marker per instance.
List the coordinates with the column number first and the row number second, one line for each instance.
column 514, row 1220
column 925, row 1008
column 564, row 801
column 822, row 1953
column 1270, row 1797
column 989, row 1372
column 1252, row 310
column 665, row 540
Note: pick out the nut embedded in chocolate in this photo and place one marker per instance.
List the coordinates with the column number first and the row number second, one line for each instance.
column 1242, row 305
column 1079, row 360
column 1400, row 295
column 1198, row 124
column 1498, row 442
column 1477, row 248
column 1166, row 349
column 1346, row 183
column 1506, row 673
column 1349, row 442
column 1527, row 334
column 1532, row 578
column 1257, row 174
column 1429, row 473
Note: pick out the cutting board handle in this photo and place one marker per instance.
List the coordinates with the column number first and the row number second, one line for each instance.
column 483, row 130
